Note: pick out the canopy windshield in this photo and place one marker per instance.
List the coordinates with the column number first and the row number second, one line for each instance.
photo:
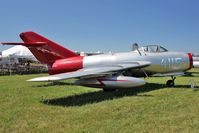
column 153, row 49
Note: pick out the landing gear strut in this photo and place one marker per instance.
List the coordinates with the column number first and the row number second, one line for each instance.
column 171, row 83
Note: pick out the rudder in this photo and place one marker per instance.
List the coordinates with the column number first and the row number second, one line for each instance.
column 44, row 50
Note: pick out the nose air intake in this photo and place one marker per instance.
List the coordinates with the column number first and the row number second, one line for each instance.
column 190, row 60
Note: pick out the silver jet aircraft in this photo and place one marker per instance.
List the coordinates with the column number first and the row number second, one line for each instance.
column 107, row 71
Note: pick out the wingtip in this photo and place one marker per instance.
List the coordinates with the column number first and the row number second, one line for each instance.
column 32, row 80
column 43, row 79
column 39, row 79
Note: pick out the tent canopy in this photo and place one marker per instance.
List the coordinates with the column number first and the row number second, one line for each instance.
column 18, row 52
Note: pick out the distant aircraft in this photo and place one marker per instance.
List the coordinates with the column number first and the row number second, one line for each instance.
column 195, row 62
column 106, row 71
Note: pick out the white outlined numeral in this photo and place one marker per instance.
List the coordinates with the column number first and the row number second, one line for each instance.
column 174, row 63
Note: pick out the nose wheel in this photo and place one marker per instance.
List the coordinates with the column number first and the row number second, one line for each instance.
column 171, row 83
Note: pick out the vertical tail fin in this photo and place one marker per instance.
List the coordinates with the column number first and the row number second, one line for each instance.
column 44, row 50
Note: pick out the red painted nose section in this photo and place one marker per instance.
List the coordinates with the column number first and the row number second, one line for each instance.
column 190, row 60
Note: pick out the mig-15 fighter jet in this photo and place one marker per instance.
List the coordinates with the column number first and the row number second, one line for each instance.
column 107, row 71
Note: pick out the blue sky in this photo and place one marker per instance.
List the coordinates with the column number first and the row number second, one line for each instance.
column 105, row 25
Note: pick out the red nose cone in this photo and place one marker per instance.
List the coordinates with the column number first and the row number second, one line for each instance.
column 190, row 60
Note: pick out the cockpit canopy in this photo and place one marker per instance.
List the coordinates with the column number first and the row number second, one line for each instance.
column 153, row 49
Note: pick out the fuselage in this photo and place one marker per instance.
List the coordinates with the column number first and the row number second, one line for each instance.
column 164, row 62
column 122, row 68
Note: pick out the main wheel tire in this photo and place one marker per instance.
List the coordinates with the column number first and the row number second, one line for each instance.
column 170, row 83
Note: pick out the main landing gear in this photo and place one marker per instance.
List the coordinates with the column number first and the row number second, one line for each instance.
column 171, row 83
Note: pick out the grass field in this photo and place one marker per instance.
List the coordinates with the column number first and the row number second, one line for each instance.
column 61, row 107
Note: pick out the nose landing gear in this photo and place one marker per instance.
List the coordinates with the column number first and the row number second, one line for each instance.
column 171, row 83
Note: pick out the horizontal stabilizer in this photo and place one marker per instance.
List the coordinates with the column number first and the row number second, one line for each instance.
column 27, row 44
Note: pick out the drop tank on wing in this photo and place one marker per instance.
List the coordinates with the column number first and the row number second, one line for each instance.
column 111, row 82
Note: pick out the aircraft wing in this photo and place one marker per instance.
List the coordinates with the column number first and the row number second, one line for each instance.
column 94, row 71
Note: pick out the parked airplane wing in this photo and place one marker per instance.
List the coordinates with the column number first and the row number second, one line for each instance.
column 94, row 71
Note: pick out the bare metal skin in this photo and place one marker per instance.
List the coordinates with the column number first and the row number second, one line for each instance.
column 107, row 71
column 161, row 63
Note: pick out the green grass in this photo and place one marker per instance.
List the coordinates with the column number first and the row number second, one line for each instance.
column 61, row 107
